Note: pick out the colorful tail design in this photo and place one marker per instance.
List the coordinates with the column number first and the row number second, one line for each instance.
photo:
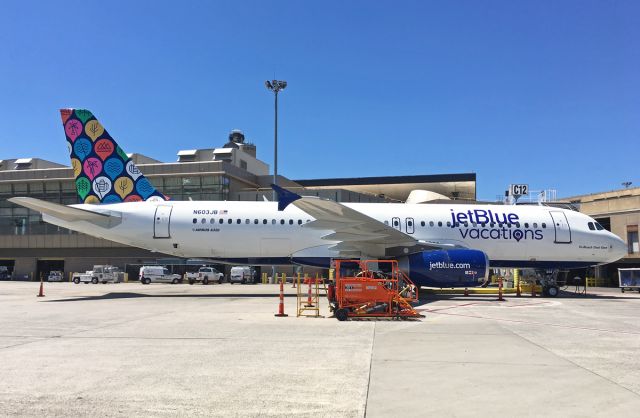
column 103, row 172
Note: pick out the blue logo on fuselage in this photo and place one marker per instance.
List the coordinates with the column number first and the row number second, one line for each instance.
column 500, row 225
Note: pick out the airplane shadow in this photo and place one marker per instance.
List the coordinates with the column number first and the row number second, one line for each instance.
column 133, row 295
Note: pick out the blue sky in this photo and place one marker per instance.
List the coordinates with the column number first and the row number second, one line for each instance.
column 539, row 92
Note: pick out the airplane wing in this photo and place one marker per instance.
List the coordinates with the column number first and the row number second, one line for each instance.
column 66, row 213
column 356, row 232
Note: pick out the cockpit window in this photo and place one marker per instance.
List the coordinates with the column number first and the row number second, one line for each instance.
column 591, row 226
column 599, row 227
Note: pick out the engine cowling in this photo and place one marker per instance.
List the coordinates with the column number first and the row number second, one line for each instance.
column 447, row 268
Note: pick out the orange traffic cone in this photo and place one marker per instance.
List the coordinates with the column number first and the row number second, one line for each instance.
column 281, row 304
column 41, row 294
column 500, row 298
column 309, row 301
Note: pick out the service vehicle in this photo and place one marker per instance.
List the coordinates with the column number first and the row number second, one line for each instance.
column 629, row 279
column 206, row 275
column 4, row 273
column 242, row 274
column 55, row 276
column 100, row 274
column 158, row 274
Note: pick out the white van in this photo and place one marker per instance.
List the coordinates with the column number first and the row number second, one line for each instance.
column 242, row 274
column 158, row 274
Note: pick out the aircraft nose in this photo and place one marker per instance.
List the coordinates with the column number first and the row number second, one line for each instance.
column 618, row 248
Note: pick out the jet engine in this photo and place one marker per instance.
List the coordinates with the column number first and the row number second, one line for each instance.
column 446, row 268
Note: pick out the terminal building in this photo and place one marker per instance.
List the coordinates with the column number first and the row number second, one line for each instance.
column 31, row 248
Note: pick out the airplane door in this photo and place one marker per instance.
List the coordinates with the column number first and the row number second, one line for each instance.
column 409, row 225
column 561, row 225
column 395, row 222
column 162, row 222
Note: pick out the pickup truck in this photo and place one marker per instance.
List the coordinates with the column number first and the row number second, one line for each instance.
column 99, row 274
column 205, row 275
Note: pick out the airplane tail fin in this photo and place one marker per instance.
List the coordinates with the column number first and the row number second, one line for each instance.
column 103, row 172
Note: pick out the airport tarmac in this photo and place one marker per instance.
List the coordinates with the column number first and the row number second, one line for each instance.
column 178, row 350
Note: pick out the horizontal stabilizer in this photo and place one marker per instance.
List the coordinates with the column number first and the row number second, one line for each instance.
column 66, row 213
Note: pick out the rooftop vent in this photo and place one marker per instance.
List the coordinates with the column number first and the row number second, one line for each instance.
column 186, row 156
column 23, row 163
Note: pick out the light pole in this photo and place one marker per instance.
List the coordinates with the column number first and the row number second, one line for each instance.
column 275, row 86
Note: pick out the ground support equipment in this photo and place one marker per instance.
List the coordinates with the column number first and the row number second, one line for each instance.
column 372, row 288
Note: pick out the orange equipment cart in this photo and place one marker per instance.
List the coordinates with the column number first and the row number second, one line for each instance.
column 372, row 288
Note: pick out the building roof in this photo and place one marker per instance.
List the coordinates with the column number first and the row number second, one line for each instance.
column 455, row 186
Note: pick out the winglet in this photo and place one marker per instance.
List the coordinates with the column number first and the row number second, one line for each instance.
column 285, row 197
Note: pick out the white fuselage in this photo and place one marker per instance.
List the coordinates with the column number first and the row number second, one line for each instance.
column 514, row 236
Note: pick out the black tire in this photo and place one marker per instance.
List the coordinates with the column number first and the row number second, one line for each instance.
column 220, row 280
column 174, row 281
column 191, row 281
column 341, row 314
column 104, row 282
column 147, row 281
column 94, row 280
column 552, row 291
column 205, row 281
column 244, row 281
column 76, row 280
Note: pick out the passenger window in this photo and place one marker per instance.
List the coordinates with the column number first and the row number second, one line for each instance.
column 492, row 224
column 273, row 222
column 195, row 220
column 290, row 221
column 299, row 221
column 230, row 221
column 221, row 221
column 535, row 224
column 212, row 221
column 422, row 223
column 255, row 222
column 526, row 224
column 281, row 221
column 544, row 225
column 264, row 221
column 239, row 221
column 395, row 223
column 517, row 224
column 386, row 222
column 247, row 221
column 204, row 221
column 448, row 224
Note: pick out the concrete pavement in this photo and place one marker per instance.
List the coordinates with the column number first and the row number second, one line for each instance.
column 178, row 350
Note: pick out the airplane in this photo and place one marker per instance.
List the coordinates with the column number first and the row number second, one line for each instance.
column 436, row 245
